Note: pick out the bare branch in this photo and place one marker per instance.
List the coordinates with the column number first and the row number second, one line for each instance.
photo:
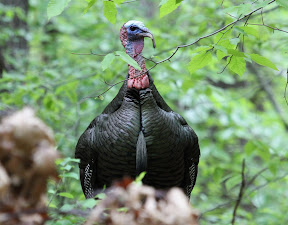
column 209, row 35
column 247, row 16
column 241, row 192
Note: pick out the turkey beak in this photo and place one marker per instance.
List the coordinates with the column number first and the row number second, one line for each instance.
column 147, row 33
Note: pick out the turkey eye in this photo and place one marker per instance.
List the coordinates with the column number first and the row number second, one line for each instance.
column 132, row 28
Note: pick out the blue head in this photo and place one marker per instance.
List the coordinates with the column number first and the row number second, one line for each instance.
column 134, row 30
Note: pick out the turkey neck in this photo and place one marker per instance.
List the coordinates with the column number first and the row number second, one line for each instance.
column 137, row 79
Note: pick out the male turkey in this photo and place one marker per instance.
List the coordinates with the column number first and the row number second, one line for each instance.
column 138, row 132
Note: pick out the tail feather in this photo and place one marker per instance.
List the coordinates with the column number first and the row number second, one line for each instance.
column 141, row 154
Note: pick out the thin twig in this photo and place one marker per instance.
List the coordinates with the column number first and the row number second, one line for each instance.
column 91, row 53
column 215, row 208
column 273, row 28
column 226, row 65
column 286, row 88
column 262, row 16
column 55, row 193
column 268, row 182
column 245, row 24
column 208, row 35
column 184, row 46
column 255, row 176
column 241, row 192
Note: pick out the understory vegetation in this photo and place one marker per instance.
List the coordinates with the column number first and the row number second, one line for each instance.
column 227, row 79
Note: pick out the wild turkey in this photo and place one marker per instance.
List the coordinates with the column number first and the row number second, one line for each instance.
column 138, row 132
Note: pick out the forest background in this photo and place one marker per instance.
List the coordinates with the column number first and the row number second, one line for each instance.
column 229, row 86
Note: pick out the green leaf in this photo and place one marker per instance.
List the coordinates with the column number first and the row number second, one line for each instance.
column 67, row 207
column 89, row 203
column 199, row 61
column 56, row 7
column 257, row 148
column 250, row 30
column 66, row 194
column 90, row 4
column 107, row 61
column 168, row 7
column 261, row 4
column 233, row 181
column 235, row 52
column 52, row 205
column 128, row 59
column 234, row 41
column 283, row 3
column 71, row 175
column 220, row 54
column 66, row 167
column 140, row 177
column 273, row 166
column 243, row 9
column 227, row 45
column 237, row 65
column 64, row 161
column 101, row 196
column 68, row 90
column 201, row 48
column 249, row 148
column 110, row 11
column 221, row 48
column 261, row 60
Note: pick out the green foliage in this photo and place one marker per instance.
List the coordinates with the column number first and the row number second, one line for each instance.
column 90, row 4
column 249, row 30
column 232, row 115
column 140, row 177
column 263, row 61
column 110, row 11
column 168, row 7
column 236, row 64
column 283, row 3
column 199, row 61
column 56, row 7
column 107, row 61
column 126, row 58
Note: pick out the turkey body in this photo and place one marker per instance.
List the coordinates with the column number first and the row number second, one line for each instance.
column 138, row 132
column 107, row 148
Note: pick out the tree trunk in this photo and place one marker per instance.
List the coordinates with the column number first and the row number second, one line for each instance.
column 16, row 46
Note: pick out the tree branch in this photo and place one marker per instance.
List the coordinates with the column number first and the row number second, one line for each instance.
column 241, row 192
column 182, row 46
column 255, row 176
column 273, row 28
column 268, row 182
